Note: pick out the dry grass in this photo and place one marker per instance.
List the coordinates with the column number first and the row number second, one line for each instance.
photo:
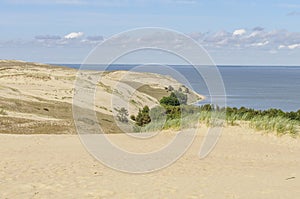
column 39, row 76
column 153, row 92
column 52, row 109
column 148, row 90
column 2, row 112
column 105, row 87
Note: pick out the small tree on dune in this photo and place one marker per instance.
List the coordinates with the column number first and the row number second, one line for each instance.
column 143, row 117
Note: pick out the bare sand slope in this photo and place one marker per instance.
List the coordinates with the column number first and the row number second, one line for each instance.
column 244, row 164
column 37, row 98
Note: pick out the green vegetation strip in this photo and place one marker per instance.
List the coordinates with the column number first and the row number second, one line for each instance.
column 173, row 113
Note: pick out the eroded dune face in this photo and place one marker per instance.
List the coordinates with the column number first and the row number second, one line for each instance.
column 37, row 98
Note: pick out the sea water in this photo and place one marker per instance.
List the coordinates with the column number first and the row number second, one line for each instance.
column 258, row 87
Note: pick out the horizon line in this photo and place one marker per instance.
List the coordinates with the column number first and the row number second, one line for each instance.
column 172, row 64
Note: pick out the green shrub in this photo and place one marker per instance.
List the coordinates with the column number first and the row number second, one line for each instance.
column 143, row 117
column 176, row 98
column 172, row 100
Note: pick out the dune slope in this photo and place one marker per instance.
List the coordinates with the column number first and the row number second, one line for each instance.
column 37, row 98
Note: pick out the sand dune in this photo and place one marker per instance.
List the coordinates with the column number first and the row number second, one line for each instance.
column 244, row 164
column 38, row 98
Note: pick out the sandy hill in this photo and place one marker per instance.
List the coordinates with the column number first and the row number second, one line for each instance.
column 37, row 98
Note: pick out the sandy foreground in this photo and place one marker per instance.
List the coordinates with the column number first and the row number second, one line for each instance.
column 244, row 164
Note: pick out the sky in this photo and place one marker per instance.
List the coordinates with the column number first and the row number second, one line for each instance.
column 233, row 32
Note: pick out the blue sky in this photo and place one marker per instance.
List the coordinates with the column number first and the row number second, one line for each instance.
column 233, row 32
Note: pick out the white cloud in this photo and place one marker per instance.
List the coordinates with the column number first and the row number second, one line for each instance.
column 260, row 43
column 256, row 38
column 239, row 32
column 254, row 34
column 92, row 40
column 72, row 39
column 74, row 35
column 293, row 46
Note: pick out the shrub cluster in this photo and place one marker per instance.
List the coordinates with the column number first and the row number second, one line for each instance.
column 176, row 98
column 249, row 113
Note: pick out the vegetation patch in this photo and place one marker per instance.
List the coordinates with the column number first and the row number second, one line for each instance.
column 105, row 87
column 67, row 78
column 157, row 93
column 173, row 113
column 39, row 76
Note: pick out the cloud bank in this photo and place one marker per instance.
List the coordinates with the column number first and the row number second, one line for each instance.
column 71, row 39
column 239, row 39
column 256, row 38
